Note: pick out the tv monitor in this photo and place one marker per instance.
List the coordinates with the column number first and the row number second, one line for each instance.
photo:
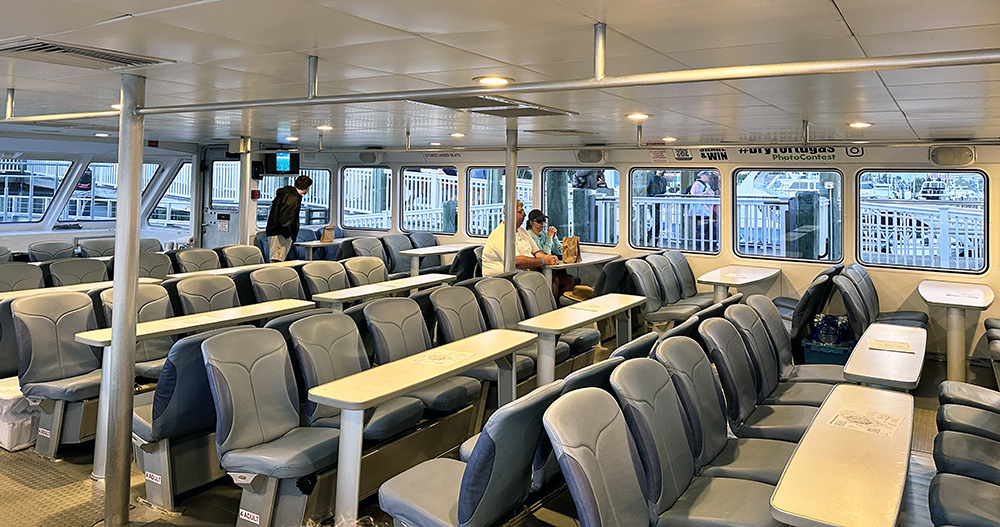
column 281, row 163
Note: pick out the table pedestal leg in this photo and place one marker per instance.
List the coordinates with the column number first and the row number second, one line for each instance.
column 721, row 293
column 349, row 466
column 956, row 344
column 623, row 327
column 546, row 367
column 506, row 379
column 414, row 265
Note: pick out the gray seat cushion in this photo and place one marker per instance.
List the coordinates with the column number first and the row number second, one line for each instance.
column 77, row 388
column 964, row 501
column 799, row 393
column 425, row 495
column 581, row 340
column 390, row 419
column 969, row 420
column 751, row 458
column 954, row 392
column 448, row 395
column 300, row 452
column 721, row 501
column 786, row 422
column 967, row 455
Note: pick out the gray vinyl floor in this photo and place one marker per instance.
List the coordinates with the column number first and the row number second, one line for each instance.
column 36, row 492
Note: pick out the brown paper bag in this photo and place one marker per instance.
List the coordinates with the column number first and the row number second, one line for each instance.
column 571, row 249
column 329, row 234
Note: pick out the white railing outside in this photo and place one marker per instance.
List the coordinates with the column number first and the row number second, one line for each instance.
column 938, row 234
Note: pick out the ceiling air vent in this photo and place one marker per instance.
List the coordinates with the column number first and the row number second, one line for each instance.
column 71, row 55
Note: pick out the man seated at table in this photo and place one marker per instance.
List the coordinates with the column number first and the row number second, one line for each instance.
column 528, row 255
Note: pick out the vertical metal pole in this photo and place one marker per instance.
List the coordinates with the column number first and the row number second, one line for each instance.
column 10, row 103
column 248, row 210
column 510, row 197
column 313, row 77
column 119, row 364
column 600, row 44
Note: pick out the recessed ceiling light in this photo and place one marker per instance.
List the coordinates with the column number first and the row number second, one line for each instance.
column 324, row 127
column 859, row 125
column 435, row 144
column 458, row 134
column 493, row 80
column 638, row 116
column 669, row 139
column 102, row 134
column 291, row 138
column 116, row 106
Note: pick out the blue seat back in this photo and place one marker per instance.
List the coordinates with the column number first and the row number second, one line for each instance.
column 458, row 313
column 497, row 477
column 700, row 395
column 328, row 347
column 70, row 271
column 182, row 404
column 640, row 347
column 732, row 361
column 45, row 327
column 653, row 413
column 190, row 260
column 500, row 303
column 364, row 270
column 324, row 276
column 276, row 283
column 598, row 458
column 94, row 247
column 45, row 251
column 152, row 303
column 18, row 276
column 253, row 387
column 397, row 328
column 198, row 294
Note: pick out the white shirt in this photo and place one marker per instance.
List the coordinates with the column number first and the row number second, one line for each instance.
column 493, row 250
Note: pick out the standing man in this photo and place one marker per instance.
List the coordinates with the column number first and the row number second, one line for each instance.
column 283, row 218
column 528, row 255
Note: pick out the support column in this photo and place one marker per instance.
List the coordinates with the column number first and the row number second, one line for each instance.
column 510, row 197
column 119, row 363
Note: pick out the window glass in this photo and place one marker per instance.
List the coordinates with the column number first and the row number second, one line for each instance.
column 96, row 195
column 366, row 195
column 28, row 186
column 430, row 199
column 923, row 219
column 676, row 209
column 789, row 214
column 174, row 208
column 486, row 191
column 582, row 202
column 315, row 208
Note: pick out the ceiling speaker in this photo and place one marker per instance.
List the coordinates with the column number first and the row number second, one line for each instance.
column 591, row 157
column 952, row 156
column 371, row 158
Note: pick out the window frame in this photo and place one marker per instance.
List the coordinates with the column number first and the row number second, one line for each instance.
column 632, row 171
column 735, row 209
column 342, row 194
column 402, row 210
column 921, row 269
column 544, row 197
column 468, row 190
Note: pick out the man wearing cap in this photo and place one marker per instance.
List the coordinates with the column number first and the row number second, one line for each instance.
column 544, row 238
column 528, row 255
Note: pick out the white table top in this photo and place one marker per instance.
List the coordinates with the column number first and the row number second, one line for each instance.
column 573, row 316
column 585, row 259
column 895, row 369
column 317, row 243
column 381, row 383
column 229, row 271
column 200, row 322
column 737, row 275
column 360, row 292
column 438, row 249
column 956, row 294
column 849, row 476
column 74, row 288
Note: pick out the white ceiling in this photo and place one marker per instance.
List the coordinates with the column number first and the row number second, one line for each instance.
column 235, row 50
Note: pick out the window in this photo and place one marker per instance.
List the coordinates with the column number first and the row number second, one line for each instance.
column 28, row 186
column 366, row 195
column 675, row 209
column 430, row 199
column 315, row 208
column 582, row 202
column 174, row 207
column 923, row 219
column 486, row 192
column 789, row 214
column 95, row 197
